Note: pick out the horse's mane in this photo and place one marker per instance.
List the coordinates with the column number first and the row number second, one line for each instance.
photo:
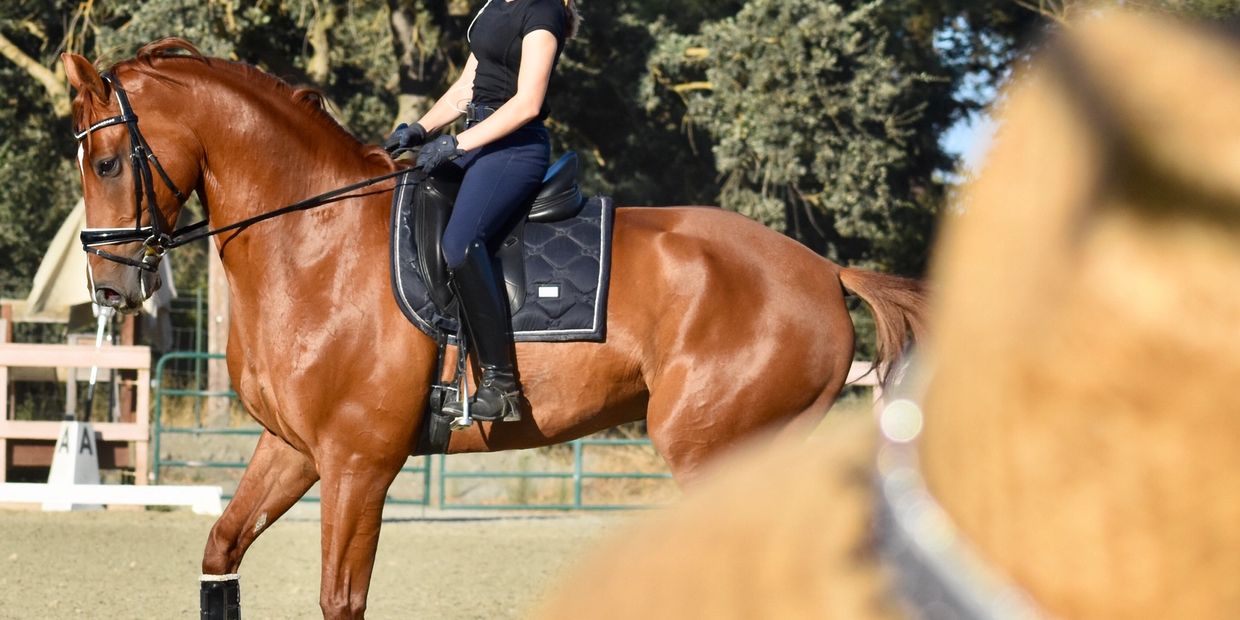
column 174, row 49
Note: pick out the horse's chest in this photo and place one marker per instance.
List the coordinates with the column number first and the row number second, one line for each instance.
column 264, row 397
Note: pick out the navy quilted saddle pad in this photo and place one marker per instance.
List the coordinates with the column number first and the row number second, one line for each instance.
column 567, row 271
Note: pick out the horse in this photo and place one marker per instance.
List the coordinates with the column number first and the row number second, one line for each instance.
column 717, row 328
column 1066, row 444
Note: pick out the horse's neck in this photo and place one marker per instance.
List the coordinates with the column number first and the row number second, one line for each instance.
column 305, row 266
column 272, row 156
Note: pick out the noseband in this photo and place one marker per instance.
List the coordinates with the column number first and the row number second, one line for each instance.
column 157, row 237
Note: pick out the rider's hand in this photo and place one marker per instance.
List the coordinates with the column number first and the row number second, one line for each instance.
column 405, row 137
column 435, row 154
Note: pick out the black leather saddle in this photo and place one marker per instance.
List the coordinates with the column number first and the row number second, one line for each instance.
column 555, row 257
column 559, row 199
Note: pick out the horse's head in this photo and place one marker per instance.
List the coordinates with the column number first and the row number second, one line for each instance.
column 134, row 181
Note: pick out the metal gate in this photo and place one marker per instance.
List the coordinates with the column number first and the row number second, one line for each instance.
column 578, row 477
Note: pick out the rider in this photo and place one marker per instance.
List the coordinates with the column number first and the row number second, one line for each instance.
column 502, row 154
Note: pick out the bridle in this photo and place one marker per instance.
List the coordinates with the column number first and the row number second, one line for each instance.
column 158, row 237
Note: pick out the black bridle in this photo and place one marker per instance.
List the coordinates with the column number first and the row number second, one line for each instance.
column 154, row 237
column 158, row 237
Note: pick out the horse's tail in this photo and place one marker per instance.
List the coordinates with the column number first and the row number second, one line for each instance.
column 899, row 307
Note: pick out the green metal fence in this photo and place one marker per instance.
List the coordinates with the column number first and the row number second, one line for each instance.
column 159, row 429
column 578, row 476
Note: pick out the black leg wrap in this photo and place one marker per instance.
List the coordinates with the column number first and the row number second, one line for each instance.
column 220, row 597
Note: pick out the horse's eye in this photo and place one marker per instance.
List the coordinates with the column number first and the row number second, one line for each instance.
column 108, row 167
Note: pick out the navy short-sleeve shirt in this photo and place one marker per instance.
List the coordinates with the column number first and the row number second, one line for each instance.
column 495, row 40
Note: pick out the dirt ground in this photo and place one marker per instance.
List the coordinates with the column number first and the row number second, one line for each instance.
column 144, row 564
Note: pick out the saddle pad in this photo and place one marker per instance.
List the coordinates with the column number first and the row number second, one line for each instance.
column 567, row 271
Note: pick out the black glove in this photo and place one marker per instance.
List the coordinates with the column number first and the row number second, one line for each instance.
column 438, row 153
column 405, row 137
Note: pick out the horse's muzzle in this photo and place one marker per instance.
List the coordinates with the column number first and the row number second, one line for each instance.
column 128, row 290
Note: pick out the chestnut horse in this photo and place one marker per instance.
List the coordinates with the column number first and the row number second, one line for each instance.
column 718, row 328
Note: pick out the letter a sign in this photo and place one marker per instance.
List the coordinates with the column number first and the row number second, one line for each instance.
column 75, row 461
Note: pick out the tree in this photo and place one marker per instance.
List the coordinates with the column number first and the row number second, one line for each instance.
column 37, row 173
column 812, row 120
column 820, row 117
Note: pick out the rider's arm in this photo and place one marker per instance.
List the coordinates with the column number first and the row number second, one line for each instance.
column 452, row 103
column 537, row 59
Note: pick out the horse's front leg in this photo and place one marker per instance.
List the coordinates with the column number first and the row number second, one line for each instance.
column 352, row 493
column 277, row 476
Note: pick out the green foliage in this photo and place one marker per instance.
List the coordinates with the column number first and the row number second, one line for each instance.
column 37, row 174
column 821, row 118
column 810, row 116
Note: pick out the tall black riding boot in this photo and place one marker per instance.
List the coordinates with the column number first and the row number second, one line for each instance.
column 485, row 313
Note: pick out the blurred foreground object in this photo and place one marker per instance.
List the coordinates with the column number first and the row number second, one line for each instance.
column 1081, row 413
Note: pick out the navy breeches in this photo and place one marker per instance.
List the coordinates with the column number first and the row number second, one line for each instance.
column 499, row 179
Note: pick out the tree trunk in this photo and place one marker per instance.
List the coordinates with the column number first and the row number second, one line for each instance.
column 319, row 66
column 51, row 82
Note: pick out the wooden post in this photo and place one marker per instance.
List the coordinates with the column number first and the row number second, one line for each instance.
column 4, row 404
column 6, row 317
column 112, row 359
column 125, row 397
column 142, row 447
column 217, row 338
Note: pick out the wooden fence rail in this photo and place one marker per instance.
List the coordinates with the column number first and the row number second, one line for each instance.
column 78, row 356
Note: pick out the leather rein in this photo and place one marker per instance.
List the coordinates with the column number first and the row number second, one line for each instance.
column 158, row 237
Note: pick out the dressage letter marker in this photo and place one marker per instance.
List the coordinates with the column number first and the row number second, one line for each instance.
column 74, row 462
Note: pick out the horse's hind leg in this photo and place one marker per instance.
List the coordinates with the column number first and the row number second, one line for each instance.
column 277, row 476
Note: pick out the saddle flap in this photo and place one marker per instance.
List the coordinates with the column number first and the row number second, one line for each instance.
column 511, row 259
column 433, row 202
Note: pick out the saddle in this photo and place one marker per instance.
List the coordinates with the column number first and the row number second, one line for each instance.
column 555, row 257
column 559, row 199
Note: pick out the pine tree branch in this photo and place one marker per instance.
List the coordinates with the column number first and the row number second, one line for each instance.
column 53, row 84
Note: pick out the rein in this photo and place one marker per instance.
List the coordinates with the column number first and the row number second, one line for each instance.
column 158, row 237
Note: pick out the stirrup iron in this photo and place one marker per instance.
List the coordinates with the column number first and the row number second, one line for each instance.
column 462, row 421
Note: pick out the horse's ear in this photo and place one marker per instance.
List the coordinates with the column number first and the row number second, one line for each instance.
column 83, row 76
